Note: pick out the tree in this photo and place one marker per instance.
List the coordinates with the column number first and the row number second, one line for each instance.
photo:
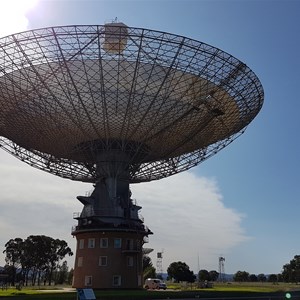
column 147, row 262
column 253, row 278
column 180, row 271
column 291, row 271
column 273, row 278
column 241, row 276
column 62, row 273
column 10, row 272
column 37, row 255
column 70, row 276
column 36, row 251
column 280, row 278
column 261, row 277
column 203, row 275
column 13, row 250
column 58, row 249
column 213, row 275
column 150, row 272
column 148, row 269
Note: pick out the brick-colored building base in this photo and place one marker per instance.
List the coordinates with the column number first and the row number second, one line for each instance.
column 108, row 259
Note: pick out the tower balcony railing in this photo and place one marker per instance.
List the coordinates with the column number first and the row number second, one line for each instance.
column 105, row 213
column 128, row 226
column 98, row 213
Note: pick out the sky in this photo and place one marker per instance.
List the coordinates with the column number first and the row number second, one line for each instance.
column 243, row 203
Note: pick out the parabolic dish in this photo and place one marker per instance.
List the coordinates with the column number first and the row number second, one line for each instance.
column 73, row 97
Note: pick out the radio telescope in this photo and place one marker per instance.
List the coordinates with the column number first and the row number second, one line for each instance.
column 114, row 105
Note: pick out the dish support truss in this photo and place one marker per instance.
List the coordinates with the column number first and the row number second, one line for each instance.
column 168, row 102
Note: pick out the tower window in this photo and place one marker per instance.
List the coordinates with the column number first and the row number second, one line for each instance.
column 138, row 244
column 80, row 261
column 103, row 261
column 130, row 261
column 117, row 243
column 104, row 243
column 91, row 243
column 129, row 244
column 81, row 244
column 117, row 280
column 88, row 280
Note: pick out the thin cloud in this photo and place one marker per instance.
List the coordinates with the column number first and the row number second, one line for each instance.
column 189, row 220
column 35, row 202
column 186, row 212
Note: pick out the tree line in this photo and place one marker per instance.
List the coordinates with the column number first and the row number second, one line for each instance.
column 290, row 273
column 180, row 271
column 36, row 260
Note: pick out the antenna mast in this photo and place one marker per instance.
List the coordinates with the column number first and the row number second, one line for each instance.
column 221, row 269
column 159, row 265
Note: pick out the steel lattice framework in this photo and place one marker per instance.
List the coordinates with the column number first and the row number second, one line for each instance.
column 75, row 97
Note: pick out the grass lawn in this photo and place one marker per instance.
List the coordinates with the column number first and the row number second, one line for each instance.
column 175, row 292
